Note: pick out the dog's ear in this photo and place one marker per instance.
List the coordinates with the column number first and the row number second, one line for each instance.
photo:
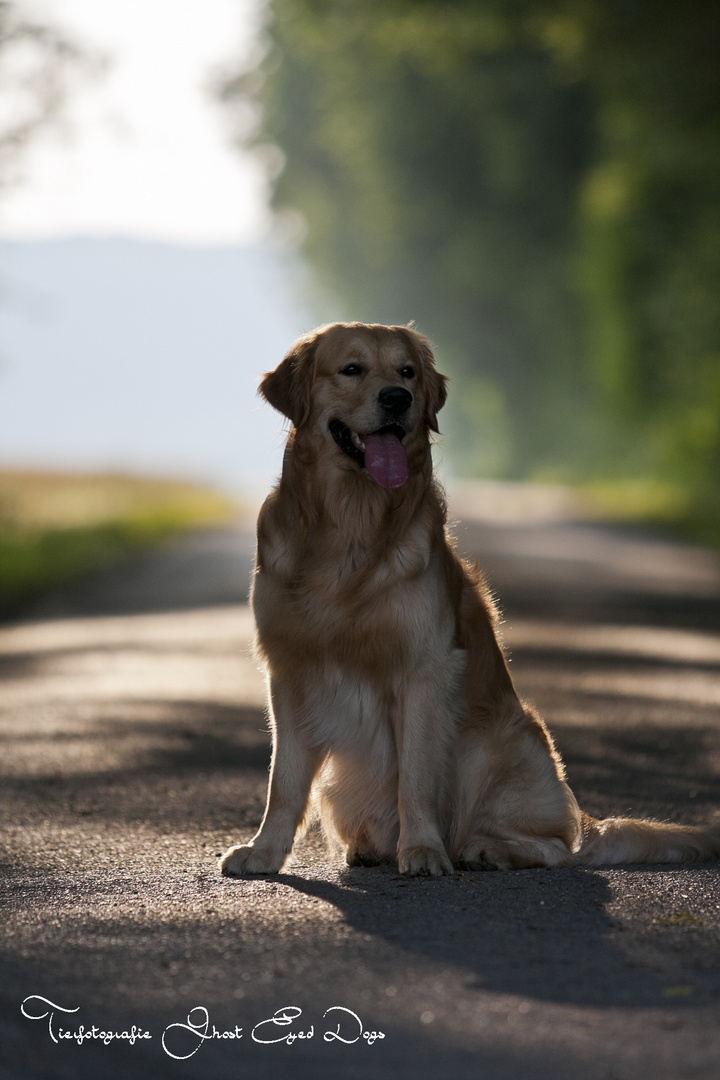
column 288, row 387
column 434, row 383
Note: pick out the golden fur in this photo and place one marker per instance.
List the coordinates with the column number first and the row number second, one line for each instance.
column 389, row 695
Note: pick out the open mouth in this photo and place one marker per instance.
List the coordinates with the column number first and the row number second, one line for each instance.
column 381, row 453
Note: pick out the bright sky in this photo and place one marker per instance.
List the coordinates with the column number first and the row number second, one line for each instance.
column 148, row 152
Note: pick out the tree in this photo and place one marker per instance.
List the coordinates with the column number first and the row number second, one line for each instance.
column 537, row 182
column 39, row 66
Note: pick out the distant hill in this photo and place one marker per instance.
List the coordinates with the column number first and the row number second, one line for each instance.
column 122, row 354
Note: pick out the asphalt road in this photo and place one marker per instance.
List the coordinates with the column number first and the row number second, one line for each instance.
column 134, row 750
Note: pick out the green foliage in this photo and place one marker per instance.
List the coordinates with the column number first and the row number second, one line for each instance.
column 39, row 69
column 537, row 183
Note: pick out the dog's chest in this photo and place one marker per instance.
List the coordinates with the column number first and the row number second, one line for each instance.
column 345, row 604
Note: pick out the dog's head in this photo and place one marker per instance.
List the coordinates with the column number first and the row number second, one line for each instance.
column 371, row 392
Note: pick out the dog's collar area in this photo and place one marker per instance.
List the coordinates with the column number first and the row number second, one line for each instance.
column 353, row 444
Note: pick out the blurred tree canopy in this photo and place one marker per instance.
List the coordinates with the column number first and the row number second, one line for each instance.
column 38, row 67
column 537, row 184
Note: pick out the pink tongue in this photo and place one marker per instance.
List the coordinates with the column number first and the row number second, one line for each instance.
column 386, row 460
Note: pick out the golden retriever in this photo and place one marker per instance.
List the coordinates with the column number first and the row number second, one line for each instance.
column 390, row 697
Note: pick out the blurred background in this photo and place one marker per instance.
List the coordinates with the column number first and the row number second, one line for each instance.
column 142, row 287
column 184, row 188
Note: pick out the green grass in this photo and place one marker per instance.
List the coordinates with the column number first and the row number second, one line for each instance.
column 637, row 500
column 665, row 505
column 56, row 528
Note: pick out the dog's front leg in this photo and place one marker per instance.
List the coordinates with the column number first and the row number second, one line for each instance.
column 425, row 732
column 294, row 764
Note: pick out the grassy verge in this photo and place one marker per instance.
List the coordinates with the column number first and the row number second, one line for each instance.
column 55, row 528
column 670, row 507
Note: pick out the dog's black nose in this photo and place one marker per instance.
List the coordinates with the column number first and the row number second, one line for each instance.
column 396, row 399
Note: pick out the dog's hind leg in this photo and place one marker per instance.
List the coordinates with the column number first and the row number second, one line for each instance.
column 513, row 807
column 294, row 764
column 520, row 853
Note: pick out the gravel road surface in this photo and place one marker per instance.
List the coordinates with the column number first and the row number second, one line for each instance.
column 134, row 750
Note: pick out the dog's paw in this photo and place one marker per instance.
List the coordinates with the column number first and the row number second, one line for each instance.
column 492, row 854
column 428, row 861
column 357, row 856
column 245, row 859
column 478, row 861
column 487, row 854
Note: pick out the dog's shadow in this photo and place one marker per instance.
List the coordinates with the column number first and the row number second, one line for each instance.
column 543, row 934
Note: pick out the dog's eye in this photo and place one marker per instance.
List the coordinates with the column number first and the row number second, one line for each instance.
column 408, row 372
column 351, row 369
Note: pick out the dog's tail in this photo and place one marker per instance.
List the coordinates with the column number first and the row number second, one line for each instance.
column 625, row 840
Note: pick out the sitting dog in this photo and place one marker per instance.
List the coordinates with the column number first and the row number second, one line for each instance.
column 389, row 694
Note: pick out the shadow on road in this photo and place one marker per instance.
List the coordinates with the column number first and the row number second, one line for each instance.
column 129, row 764
column 543, row 935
